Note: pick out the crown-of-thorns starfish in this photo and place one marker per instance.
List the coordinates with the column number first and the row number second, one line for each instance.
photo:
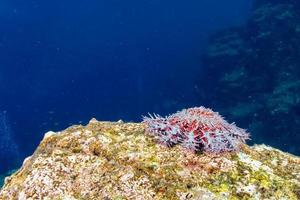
column 197, row 129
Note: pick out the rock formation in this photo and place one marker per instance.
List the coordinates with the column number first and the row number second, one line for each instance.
column 117, row 160
column 252, row 73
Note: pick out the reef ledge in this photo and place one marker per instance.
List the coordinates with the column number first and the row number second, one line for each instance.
column 117, row 160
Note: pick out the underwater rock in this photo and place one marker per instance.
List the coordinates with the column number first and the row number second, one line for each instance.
column 252, row 73
column 117, row 160
column 258, row 3
column 2, row 176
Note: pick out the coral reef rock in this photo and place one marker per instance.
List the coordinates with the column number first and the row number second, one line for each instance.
column 2, row 176
column 117, row 160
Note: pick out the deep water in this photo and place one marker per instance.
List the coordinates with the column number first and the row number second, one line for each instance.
column 64, row 62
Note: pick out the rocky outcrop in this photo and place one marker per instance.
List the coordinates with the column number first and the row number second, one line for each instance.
column 2, row 176
column 116, row 160
column 252, row 73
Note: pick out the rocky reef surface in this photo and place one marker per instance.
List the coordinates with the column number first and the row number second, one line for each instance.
column 252, row 73
column 117, row 160
column 2, row 176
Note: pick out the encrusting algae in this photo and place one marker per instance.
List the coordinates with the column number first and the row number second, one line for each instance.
column 116, row 160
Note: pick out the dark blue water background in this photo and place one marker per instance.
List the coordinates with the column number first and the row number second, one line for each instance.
column 64, row 62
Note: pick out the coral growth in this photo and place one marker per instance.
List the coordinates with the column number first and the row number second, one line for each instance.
column 197, row 129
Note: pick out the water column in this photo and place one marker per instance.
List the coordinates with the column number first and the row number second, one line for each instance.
column 9, row 153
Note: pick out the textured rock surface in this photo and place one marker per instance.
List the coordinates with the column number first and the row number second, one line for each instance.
column 106, row 160
column 2, row 176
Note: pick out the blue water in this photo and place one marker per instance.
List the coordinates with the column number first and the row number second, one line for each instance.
column 64, row 62
column 9, row 152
